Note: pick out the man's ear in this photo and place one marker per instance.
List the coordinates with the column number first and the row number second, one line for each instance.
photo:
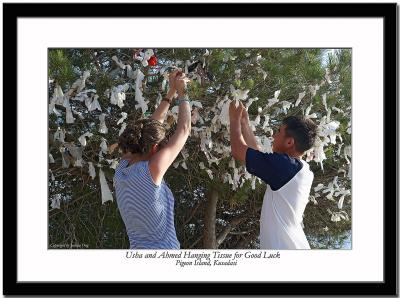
column 290, row 142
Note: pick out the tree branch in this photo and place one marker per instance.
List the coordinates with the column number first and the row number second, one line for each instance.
column 228, row 229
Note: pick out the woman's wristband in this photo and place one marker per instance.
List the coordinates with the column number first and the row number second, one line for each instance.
column 167, row 99
column 182, row 99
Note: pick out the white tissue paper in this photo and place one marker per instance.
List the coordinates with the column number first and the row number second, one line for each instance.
column 123, row 126
column 79, row 84
column 275, row 99
column 142, row 103
column 264, row 73
column 266, row 144
column 224, row 115
column 209, row 172
column 347, row 153
column 146, row 57
column 118, row 95
column 313, row 89
column 183, row 165
column 165, row 81
column 251, row 100
column 318, row 187
column 75, row 154
column 92, row 104
column 58, row 95
column 301, row 96
column 65, row 157
column 105, row 190
column 122, row 119
column 92, row 171
column 103, row 146
column 55, row 202
column 130, row 73
column 82, row 138
column 69, row 117
column 118, row 62
column 113, row 163
column 59, row 135
column 238, row 94
column 285, row 106
column 79, row 114
column 266, row 122
column 52, row 175
column 103, row 128
column 324, row 101
column 81, row 96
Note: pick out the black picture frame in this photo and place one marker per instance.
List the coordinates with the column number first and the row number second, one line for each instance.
column 11, row 12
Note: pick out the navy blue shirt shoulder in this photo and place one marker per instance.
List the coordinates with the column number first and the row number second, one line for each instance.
column 275, row 169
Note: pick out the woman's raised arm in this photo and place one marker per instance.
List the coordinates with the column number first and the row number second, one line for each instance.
column 161, row 111
column 160, row 162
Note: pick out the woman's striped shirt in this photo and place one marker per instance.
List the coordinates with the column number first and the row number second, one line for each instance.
column 146, row 209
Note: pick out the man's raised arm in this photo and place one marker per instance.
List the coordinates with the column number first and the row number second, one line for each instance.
column 238, row 145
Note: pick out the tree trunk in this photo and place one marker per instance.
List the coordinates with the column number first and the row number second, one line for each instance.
column 209, row 238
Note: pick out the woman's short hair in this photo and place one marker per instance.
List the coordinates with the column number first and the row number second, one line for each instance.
column 140, row 135
column 302, row 130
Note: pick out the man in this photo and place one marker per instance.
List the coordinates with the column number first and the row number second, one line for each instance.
column 288, row 177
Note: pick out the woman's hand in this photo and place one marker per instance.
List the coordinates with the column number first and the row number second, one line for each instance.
column 171, row 79
column 162, row 109
column 162, row 160
column 172, row 88
column 180, row 83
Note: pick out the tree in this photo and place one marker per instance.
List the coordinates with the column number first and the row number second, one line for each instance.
column 217, row 202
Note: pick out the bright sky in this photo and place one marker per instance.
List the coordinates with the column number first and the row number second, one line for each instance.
column 325, row 56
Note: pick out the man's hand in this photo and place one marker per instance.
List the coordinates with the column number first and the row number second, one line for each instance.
column 247, row 133
column 245, row 116
column 238, row 145
column 235, row 113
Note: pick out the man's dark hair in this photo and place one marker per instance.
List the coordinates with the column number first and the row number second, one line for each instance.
column 302, row 130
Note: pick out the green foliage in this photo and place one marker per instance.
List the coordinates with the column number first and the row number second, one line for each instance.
column 102, row 83
column 60, row 67
column 195, row 90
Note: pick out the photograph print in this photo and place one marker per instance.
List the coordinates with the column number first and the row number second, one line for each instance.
column 199, row 148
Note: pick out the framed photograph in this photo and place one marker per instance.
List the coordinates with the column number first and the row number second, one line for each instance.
column 200, row 149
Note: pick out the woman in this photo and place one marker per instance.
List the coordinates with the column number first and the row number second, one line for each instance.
column 144, row 200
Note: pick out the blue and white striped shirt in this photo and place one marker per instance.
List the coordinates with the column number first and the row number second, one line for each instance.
column 146, row 209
